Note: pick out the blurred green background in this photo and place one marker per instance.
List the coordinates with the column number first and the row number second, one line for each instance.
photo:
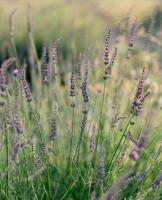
column 77, row 23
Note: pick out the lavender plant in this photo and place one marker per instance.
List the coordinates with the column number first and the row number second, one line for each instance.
column 86, row 139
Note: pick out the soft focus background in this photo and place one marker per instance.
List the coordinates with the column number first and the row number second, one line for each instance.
column 78, row 23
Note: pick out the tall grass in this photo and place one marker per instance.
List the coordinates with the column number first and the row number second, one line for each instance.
column 90, row 131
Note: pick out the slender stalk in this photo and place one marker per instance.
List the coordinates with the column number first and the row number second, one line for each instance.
column 7, row 161
column 55, row 81
column 147, row 171
column 41, row 141
column 87, row 134
column 12, row 38
column 94, row 106
column 31, row 38
column 37, row 123
column 123, row 135
column 78, row 144
column 100, row 120
column 71, row 139
column 26, row 171
column 153, row 163
column 125, row 138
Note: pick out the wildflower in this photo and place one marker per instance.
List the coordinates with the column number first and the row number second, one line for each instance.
column 53, row 126
column 108, row 69
column 106, row 48
column 84, row 121
column 84, row 92
column 139, row 99
column 53, row 53
column 17, row 118
column 44, row 65
column 3, row 83
column 131, row 38
column 26, row 87
column 72, row 83
column 41, row 155
column 79, row 68
column 147, row 39
column 18, row 123
column 92, row 142
column 9, row 120
column 84, row 85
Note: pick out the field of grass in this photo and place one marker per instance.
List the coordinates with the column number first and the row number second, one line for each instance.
column 81, row 100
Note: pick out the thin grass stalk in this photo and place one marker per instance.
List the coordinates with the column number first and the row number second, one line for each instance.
column 87, row 134
column 153, row 163
column 93, row 110
column 120, row 141
column 55, row 81
column 41, row 141
column 37, row 123
column 7, row 160
column 31, row 37
column 44, row 188
column 77, row 150
column 36, row 197
column 90, row 170
column 71, row 139
column 79, row 147
column 125, row 138
column 26, row 171
column 148, row 170
column 100, row 119
column 12, row 38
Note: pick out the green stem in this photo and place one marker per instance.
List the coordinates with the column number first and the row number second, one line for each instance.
column 78, row 145
column 71, row 139
column 37, row 123
column 100, row 119
column 7, row 153
column 26, row 171
column 123, row 135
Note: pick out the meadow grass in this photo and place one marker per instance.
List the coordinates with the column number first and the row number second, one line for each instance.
column 85, row 126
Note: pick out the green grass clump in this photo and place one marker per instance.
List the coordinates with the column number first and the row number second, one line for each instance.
column 80, row 126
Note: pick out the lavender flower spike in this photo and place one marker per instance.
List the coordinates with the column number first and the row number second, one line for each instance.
column 53, row 126
column 92, row 140
column 72, row 83
column 84, row 85
column 53, row 53
column 26, row 87
column 44, row 65
column 139, row 99
column 79, row 67
column 106, row 47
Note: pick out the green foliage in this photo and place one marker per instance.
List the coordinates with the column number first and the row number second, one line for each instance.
column 90, row 151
